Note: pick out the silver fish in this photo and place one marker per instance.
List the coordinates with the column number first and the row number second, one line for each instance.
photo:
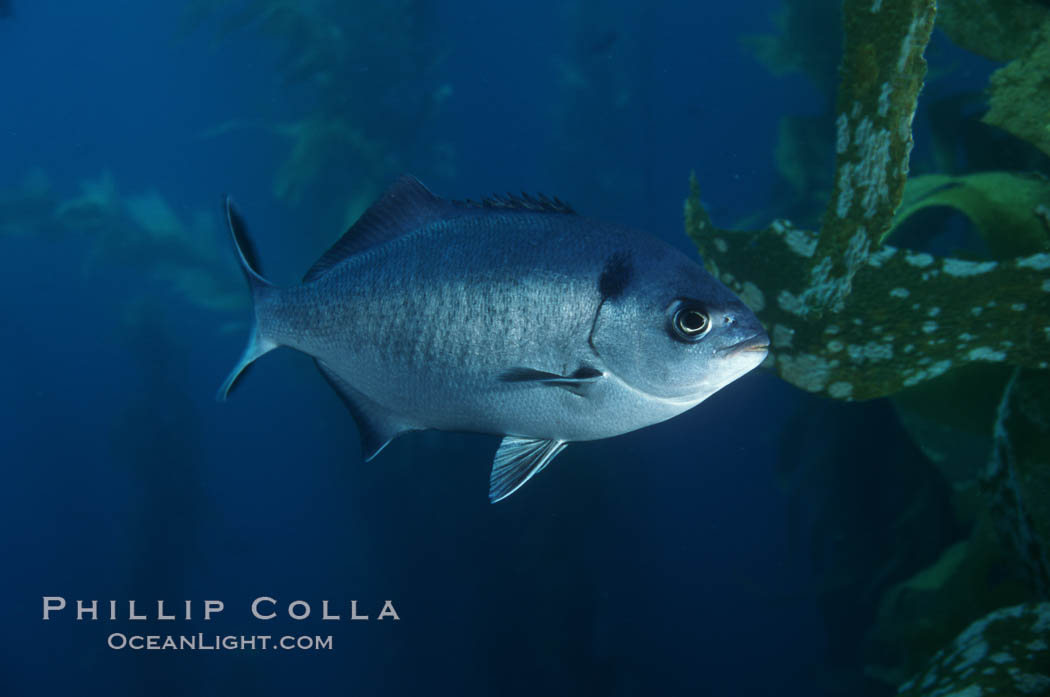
column 512, row 316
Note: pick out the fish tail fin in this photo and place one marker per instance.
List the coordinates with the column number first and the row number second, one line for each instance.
column 258, row 344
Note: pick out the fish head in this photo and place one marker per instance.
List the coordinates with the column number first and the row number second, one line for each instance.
column 671, row 330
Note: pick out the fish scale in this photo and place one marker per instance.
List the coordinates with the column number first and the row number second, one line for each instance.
column 513, row 316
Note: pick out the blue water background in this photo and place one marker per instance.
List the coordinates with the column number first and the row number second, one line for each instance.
column 659, row 562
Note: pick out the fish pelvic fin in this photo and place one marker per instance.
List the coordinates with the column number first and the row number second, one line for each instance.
column 258, row 344
column 517, row 461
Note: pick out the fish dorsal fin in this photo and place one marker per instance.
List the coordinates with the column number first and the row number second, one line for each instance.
column 406, row 205
column 376, row 426
column 538, row 203
column 517, row 461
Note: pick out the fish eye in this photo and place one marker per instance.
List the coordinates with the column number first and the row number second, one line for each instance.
column 690, row 322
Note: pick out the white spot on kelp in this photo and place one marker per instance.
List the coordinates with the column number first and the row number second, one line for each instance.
column 801, row 242
column 753, row 296
column 985, row 353
column 840, row 390
column 871, row 351
column 877, row 259
column 782, row 336
column 919, row 259
column 869, row 174
column 845, row 199
column 1039, row 262
column 933, row 371
column 961, row 267
column 806, row 370
column 841, row 133
column 789, row 302
column 906, row 45
column 887, row 88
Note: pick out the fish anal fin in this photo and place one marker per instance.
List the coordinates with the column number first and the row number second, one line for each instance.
column 376, row 426
column 517, row 461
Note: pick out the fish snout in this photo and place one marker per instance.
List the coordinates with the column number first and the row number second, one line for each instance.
column 743, row 330
column 758, row 343
column 746, row 333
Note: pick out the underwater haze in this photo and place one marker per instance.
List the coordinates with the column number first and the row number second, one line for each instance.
column 779, row 538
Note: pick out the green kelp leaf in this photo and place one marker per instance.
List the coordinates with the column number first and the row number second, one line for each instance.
column 1019, row 95
column 145, row 232
column 333, row 53
column 955, row 440
column 1005, row 210
column 920, row 615
column 324, row 149
column 850, row 316
column 1017, row 481
column 1003, row 653
column 997, row 29
column 98, row 199
column 1008, row 210
column 910, row 316
column 882, row 73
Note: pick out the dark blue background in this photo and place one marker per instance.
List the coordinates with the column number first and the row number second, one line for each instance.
column 659, row 562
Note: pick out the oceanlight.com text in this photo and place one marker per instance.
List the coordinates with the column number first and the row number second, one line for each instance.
column 217, row 642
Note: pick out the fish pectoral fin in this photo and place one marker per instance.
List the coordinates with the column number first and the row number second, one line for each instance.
column 579, row 382
column 376, row 426
column 517, row 460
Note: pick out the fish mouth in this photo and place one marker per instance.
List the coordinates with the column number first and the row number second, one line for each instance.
column 759, row 343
